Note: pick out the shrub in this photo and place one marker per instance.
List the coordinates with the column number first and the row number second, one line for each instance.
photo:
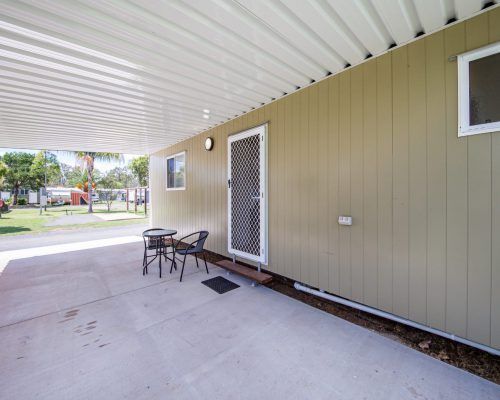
column 21, row 202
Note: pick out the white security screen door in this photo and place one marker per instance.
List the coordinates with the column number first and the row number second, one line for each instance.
column 247, row 194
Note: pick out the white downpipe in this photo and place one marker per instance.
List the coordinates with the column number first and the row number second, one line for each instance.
column 393, row 317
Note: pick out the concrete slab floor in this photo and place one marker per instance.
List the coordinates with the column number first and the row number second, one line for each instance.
column 87, row 325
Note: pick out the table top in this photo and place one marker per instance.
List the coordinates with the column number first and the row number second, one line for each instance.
column 160, row 233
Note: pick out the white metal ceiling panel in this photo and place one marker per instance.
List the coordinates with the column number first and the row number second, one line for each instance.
column 184, row 21
column 364, row 21
column 136, row 76
column 433, row 14
column 277, row 15
column 400, row 18
column 328, row 25
column 242, row 24
column 468, row 7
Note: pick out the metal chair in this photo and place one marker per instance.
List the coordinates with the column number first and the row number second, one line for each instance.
column 193, row 248
column 156, row 245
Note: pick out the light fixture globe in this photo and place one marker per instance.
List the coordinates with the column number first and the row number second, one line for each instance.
column 209, row 143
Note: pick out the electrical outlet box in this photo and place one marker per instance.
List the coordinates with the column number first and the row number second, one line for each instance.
column 345, row 220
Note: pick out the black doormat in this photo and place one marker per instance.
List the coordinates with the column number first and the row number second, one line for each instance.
column 220, row 284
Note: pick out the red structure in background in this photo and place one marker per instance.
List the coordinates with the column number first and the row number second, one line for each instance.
column 78, row 198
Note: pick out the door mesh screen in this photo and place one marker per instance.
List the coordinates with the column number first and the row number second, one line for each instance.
column 245, row 195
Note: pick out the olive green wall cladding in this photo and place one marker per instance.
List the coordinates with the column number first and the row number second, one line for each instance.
column 377, row 142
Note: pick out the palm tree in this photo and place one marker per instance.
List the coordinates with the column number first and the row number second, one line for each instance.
column 87, row 159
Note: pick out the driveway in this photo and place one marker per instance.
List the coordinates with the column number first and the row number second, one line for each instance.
column 70, row 236
column 86, row 324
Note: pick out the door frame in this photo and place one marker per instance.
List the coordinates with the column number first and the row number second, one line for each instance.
column 262, row 130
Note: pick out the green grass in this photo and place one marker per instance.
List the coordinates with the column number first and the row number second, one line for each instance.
column 28, row 220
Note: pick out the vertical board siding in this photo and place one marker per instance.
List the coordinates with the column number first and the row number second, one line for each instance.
column 344, row 182
column 436, row 180
column 333, row 185
column 479, row 181
column 356, row 184
column 313, row 180
column 377, row 142
column 401, row 192
column 494, row 36
column 370, row 185
column 297, row 207
column 322, row 215
column 287, row 198
column 456, row 194
column 304, row 186
column 384, row 184
column 417, row 180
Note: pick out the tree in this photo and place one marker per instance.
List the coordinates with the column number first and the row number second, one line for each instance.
column 18, row 171
column 123, row 177
column 108, row 183
column 87, row 160
column 3, row 171
column 45, row 164
column 140, row 168
column 70, row 176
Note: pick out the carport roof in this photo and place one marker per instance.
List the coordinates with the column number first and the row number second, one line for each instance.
column 136, row 76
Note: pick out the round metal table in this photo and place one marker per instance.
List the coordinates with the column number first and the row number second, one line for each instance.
column 156, row 240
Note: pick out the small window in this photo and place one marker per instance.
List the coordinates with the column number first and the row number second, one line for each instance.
column 479, row 91
column 176, row 171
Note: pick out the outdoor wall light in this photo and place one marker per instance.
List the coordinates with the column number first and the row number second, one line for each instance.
column 209, row 143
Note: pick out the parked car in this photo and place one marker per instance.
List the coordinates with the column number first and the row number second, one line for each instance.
column 95, row 197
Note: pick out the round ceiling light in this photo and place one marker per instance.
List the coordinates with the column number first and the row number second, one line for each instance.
column 209, row 143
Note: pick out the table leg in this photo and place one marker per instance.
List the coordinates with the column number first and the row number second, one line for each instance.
column 174, row 264
column 160, row 260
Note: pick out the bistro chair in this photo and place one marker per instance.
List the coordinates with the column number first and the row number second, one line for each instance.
column 193, row 248
column 157, row 246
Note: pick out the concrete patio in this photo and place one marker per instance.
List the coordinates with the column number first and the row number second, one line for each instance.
column 87, row 325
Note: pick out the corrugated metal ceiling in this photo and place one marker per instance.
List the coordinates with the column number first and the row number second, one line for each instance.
column 136, row 76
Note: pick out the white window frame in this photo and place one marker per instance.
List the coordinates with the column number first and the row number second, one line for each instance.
column 185, row 172
column 463, row 60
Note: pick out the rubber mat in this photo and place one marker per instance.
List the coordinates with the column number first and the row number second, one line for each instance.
column 220, row 284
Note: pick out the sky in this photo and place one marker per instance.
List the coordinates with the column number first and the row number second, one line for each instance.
column 67, row 158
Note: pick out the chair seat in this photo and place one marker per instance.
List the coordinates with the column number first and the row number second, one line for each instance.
column 187, row 251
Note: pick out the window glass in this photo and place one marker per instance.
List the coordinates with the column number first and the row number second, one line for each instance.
column 176, row 171
column 170, row 172
column 484, row 90
column 179, row 170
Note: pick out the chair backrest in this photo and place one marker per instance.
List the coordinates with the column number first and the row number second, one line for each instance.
column 198, row 245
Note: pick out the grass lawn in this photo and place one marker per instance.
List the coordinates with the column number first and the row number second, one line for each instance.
column 28, row 220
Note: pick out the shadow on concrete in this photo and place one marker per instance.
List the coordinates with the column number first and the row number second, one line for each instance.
column 13, row 229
